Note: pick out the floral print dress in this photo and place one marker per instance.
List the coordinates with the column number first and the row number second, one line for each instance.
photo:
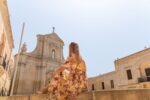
column 68, row 81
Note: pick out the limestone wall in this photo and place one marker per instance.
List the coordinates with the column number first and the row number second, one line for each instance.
column 106, row 78
column 142, row 94
column 137, row 63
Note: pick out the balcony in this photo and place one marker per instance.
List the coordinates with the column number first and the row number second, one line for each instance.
column 1, row 59
column 144, row 79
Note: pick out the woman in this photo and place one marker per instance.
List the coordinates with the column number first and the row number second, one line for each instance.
column 70, row 78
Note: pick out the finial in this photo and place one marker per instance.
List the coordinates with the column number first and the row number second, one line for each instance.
column 24, row 48
column 53, row 29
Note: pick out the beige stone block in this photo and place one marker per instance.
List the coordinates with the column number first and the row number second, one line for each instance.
column 38, row 97
column 143, row 94
column 4, row 98
column 131, row 95
column 85, row 96
column 124, row 95
column 15, row 98
column 103, row 95
column 138, row 94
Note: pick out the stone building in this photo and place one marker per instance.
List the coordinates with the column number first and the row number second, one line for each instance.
column 6, row 46
column 35, row 68
column 131, row 72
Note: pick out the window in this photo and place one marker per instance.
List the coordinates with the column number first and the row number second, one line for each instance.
column 53, row 54
column 112, row 83
column 129, row 74
column 93, row 88
column 103, row 85
column 4, row 62
column 2, row 43
column 147, row 71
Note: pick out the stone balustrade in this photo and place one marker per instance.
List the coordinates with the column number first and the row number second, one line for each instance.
column 138, row 94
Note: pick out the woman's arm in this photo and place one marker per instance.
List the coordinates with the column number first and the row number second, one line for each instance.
column 43, row 91
column 84, row 82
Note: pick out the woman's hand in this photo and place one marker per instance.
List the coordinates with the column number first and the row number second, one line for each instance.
column 39, row 92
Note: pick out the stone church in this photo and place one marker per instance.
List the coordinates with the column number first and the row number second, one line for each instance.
column 35, row 68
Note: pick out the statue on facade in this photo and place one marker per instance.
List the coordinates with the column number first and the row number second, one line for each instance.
column 24, row 48
column 69, row 80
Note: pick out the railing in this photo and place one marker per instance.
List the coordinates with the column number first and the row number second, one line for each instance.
column 3, row 91
column 144, row 79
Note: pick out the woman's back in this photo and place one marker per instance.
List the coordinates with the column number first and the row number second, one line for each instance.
column 68, row 81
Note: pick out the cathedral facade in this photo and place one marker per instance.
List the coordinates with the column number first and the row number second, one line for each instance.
column 35, row 68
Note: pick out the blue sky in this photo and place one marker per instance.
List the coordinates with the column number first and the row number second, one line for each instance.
column 104, row 29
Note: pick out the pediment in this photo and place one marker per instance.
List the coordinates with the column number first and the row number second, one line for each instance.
column 55, row 36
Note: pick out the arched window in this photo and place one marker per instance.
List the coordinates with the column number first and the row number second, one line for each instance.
column 53, row 54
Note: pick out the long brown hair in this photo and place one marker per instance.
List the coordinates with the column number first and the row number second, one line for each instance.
column 74, row 48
